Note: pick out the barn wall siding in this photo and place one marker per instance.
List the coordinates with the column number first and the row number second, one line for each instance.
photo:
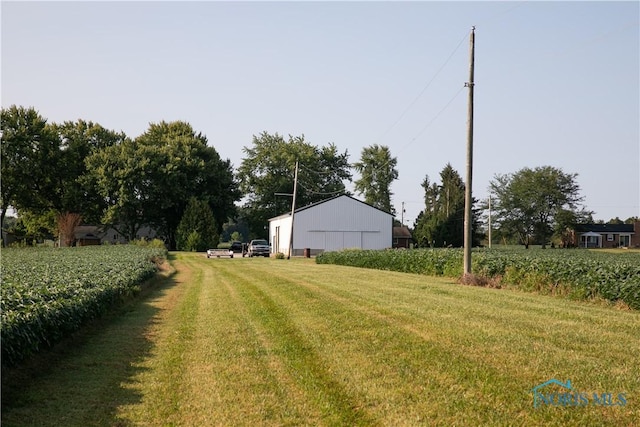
column 339, row 223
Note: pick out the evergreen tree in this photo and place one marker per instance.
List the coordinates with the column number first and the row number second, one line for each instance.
column 197, row 230
column 441, row 223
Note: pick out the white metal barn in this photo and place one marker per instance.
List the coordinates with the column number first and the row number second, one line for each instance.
column 340, row 222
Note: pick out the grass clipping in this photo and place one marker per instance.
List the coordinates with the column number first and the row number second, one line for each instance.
column 471, row 279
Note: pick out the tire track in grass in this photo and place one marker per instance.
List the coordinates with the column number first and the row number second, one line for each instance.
column 164, row 393
column 306, row 367
column 466, row 355
column 251, row 385
column 448, row 366
column 363, row 352
column 373, row 353
column 394, row 362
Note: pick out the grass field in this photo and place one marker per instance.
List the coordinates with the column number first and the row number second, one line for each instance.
column 277, row 342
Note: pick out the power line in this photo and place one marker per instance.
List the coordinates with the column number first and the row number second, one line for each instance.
column 424, row 89
column 321, row 193
column 433, row 119
column 327, row 172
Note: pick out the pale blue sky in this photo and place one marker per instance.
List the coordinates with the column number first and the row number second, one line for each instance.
column 557, row 83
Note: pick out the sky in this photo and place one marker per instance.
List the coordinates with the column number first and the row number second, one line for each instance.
column 555, row 83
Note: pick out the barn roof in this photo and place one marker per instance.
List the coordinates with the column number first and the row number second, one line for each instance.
column 605, row 228
column 312, row 205
column 401, row 232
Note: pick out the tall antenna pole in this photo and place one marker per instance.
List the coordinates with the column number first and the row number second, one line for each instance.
column 293, row 209
column 467, row 191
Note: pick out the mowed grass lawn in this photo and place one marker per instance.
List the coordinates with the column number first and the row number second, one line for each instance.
column 235, row 342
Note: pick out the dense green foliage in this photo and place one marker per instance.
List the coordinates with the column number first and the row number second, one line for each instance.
column 44, row 173
column 197, row 230
column 48, row 293
column 28, row 164
column 150, row 180
column 533, row 203
column 578, row 273
column 377, row 172
column 266, row 176
column 441, row 223
column 50, row 169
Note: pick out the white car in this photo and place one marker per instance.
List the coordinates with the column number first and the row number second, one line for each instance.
column 259, row 247
column 217, row 253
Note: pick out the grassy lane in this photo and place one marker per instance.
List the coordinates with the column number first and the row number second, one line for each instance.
column 276, row 342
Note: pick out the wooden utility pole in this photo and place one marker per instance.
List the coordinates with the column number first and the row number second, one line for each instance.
column 293, row 209
column 468, row 241
column 489, row 221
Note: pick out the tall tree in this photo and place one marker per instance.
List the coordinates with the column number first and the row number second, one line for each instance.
column 267, row 173
column 149, row 180
column 118, row 173
column 67, row 223
column 528, row 203
column 77, row 190
column 377, row 172
column 29, row 161
column 441, row 223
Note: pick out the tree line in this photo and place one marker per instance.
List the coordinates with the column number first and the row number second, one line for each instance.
column 171, row 179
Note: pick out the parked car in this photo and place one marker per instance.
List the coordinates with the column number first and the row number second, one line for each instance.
column 217, row 253
column 259, row 247
column 236, row 247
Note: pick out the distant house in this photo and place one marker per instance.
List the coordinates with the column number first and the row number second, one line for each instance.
column 340, row 222
column 401, row 237
column 607, row 235
column 87, row 235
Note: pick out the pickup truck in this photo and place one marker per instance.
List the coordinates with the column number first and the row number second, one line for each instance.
column 217, row 253
column 259, row 247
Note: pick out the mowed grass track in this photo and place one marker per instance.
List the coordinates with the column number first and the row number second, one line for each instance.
column 277, row 342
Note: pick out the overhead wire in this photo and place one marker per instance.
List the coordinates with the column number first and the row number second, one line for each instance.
column 424, row 89
column 405, row 111
column 321, row 193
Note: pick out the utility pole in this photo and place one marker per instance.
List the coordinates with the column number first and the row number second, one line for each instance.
column 402, row 215
column 489, row 221
column 293, row 209
column 467, row 192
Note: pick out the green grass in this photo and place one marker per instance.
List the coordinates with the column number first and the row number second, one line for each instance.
column 277, row 342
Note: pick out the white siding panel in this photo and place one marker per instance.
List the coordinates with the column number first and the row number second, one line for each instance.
column 279, row 234
column 334, row 241
column 336, row 224
column 311, row 239
column 352, row 240
column 374, row 241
